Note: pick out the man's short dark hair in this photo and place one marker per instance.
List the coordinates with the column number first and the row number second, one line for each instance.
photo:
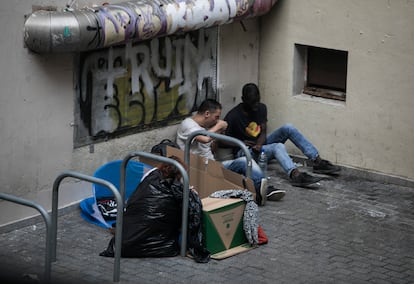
column 209, row 105
column 250, row 93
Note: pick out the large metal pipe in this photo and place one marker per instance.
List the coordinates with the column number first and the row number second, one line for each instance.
column 108, row 25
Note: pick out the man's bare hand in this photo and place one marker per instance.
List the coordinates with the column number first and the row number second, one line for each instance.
column 221, row 125
column 249, row 143
column 257, row 148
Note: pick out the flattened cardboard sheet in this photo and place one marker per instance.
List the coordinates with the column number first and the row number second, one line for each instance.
column 208, row 176
column 231, row 252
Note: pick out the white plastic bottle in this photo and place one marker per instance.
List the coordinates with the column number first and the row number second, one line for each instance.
column 262, row 162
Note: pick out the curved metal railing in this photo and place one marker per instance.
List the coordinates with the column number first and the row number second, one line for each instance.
column 119, row 215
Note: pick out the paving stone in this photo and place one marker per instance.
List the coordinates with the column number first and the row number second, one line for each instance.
column 347, row 230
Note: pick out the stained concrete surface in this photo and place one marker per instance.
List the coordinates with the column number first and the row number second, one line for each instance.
column 345, row 230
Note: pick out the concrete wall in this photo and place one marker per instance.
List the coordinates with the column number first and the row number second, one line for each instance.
column 37, row 112
column 238, row 60
column 373, row 130
column 36, row 104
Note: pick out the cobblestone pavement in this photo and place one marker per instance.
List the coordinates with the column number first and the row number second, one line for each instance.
column 345, row 230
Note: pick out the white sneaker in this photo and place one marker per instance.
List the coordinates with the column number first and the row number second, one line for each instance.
column 263, row 191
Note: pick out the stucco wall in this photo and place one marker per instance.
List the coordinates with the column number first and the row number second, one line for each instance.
column 238, row 60
column 37, row 113
column 373, row 130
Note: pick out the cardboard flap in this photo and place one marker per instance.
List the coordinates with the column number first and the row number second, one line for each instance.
column 195, row 160
column 208, row 176
column 215, row 168
column 210, row 203
column 239, row 180
column 231, row 252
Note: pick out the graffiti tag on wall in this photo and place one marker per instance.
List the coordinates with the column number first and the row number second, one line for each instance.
column 144, row 85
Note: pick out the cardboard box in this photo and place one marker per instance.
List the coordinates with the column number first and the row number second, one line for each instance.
column 223, row 227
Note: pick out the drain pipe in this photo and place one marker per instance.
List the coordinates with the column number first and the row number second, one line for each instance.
column 132, row 21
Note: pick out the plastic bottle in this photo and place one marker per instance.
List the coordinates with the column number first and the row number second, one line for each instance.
column 262, row 162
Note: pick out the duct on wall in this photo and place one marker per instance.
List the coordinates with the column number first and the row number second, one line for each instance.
column 108, row 25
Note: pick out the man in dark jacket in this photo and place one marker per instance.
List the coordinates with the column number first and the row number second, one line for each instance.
column 248, row 122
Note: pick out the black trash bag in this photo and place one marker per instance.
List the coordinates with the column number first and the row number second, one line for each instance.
column 195, row 237
column 152, row 218
column 152, row 221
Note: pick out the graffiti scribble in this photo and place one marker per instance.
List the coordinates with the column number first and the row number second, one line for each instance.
column 147, row 83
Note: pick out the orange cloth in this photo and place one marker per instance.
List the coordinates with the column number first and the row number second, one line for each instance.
column 262, row 236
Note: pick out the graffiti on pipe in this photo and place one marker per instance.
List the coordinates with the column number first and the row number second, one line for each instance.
column 140, row 86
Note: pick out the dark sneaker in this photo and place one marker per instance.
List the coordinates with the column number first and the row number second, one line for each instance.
column 325, row 167
column 274, row 194
column 263, row 192
column 304, row 179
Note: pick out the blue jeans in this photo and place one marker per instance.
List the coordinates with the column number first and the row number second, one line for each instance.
column 239, row 166
column 275, row 148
